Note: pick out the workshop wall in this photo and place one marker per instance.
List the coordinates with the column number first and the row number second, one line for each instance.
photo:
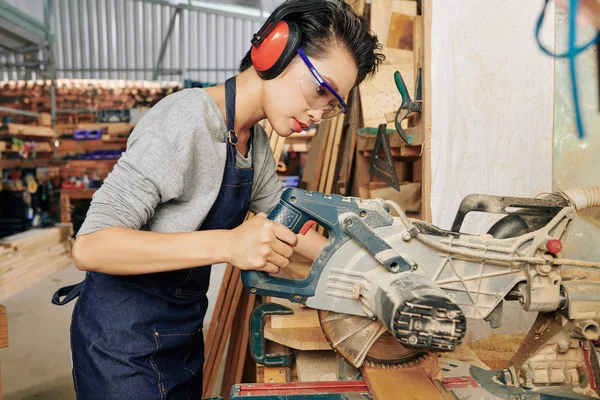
column 492, row 111
column 492, row 104
column 575, row 160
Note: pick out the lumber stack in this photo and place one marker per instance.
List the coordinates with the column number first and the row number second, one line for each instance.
column 28, row 257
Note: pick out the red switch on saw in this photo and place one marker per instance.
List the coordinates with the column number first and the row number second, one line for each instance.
column 307, row 226
column 554, row 246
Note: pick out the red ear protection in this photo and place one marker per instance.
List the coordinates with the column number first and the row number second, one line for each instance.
column 276, row 50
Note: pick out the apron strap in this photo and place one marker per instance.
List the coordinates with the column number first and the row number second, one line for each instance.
column 70, row 292
column 230, row 110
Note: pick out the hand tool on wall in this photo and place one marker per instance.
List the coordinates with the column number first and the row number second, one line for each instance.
column 382, row 161
column 408, row 106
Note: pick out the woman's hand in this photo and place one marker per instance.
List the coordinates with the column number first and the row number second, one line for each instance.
column 261, row 244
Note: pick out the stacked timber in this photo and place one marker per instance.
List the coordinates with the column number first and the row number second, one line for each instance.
column 28, row 257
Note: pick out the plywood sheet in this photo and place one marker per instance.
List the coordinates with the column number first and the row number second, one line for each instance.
column 381, row 11
column 379, row 94
column 401, row 32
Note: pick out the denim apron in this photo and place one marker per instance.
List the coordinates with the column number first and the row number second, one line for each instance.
column 140, row 336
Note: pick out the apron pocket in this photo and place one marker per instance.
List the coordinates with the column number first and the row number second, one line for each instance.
column 178, row 361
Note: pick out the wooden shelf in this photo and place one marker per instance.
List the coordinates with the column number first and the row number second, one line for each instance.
column 81, row 146
column 31, row 130
column 8, row 164
column 88, row 163
column 78, row 194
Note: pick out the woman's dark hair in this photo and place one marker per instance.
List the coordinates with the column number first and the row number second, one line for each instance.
column 337, row 23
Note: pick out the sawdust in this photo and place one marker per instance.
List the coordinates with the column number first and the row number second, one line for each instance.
column 316, row 366
column 497, row 350
column 464, row 353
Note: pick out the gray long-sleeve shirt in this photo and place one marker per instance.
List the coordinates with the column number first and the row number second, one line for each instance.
column 169, row 177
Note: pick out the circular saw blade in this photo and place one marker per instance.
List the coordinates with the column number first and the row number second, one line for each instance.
column 361, row 340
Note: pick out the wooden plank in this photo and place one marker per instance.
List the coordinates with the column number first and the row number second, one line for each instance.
column 110, row 127
column 45, row 119
column 18, row 280
column 210, row 377
column 211, row 356
column 357, row 5
column 276, row 374
column 327, row 160
column 426, row 167
column 401, row 32
column 349, row 145
column 3, row 327
column 335, row 151
column 379, row 94
column 214, row 322
column 381, row 11
column 413, row 382
column 283, row 329
column 316, row 157
column 408, row 198
column 30, row 130
column 238, row 344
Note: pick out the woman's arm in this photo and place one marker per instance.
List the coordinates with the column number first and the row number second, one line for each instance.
column 310, row 245
column 258, row 244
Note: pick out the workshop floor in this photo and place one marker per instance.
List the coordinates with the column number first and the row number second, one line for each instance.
column 36, row 364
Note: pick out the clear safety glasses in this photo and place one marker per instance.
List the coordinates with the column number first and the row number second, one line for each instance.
column 318, row 92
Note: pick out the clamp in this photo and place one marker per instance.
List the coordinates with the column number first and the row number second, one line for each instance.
column 257, row 336
column 408, row 106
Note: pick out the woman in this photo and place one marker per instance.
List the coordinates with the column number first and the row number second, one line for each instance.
column 177, row 199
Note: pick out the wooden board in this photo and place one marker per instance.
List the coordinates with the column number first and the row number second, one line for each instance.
column 408, row 198
column 45, row 119
column 327, row 159
column 401, row 32
column 335, row 151
column 379, row 94
column 28, row 257
column 348, row 145
column 3, row 327
column 284, row 329
column 381, row 11
column 110, row 127
column 426, row 65
column 316, row 157
column 411, row 383
column 30, row 130
column 217, row 349
column 238, row 344
column 357, row 5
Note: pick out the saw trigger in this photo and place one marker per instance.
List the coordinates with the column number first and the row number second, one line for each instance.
column 306, row 227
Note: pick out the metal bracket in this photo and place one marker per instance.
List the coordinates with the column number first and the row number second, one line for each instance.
column 384, row 167
column 257, row 336
column 375, row 245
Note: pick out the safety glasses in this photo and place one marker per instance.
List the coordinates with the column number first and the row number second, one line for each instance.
column 318, row 92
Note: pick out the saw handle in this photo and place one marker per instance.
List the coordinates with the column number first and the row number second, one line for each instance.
column 298, row 210
column 286, row 214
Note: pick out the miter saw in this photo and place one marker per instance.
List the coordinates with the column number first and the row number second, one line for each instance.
column 391, row 290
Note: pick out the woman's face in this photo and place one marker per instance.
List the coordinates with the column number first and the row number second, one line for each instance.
column 295, row 100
